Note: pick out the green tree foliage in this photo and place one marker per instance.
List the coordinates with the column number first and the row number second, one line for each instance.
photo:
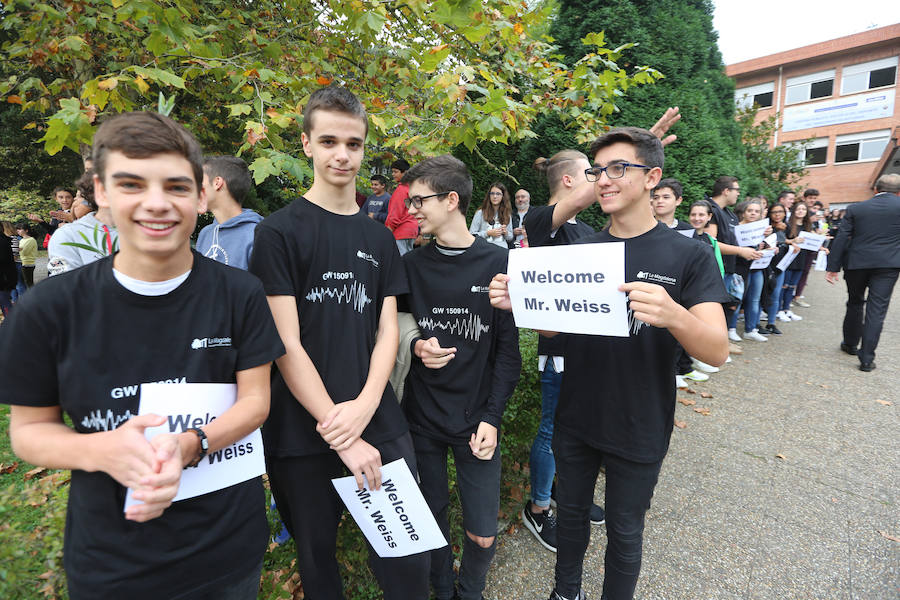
column 769, row 170
column 433, row 74
column 677, row 38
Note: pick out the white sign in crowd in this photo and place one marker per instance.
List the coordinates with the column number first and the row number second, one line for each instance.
column 570, row 289
column 195, row 405
column 751, row 234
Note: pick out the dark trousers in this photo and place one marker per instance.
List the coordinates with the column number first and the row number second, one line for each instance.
column 880, row 283
column 311, row 509
column 629, row 487
column 683, row 364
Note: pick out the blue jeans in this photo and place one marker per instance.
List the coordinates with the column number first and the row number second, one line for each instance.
column 751, row 299
column 775, row 297
column 542, row 464
column 791, row 279
column 20, row 283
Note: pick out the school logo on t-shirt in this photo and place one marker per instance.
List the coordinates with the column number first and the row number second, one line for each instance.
column 657, row 278
column 212, row 342
column 366, row 256
column 480, row 289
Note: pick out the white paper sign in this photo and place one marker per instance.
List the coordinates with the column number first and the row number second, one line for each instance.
column 572, row 289
column 395, row 519
column 772, row 240
column 821, row 261
column 688, row 233
column 787, row 259
column 195, row 405
column 763, row 262
column 811, row 241
column 751, row 234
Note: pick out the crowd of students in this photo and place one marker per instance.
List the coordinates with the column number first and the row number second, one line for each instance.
column 316, row 289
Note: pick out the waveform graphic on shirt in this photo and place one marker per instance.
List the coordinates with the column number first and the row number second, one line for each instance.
column 96, row 421
column 634, row 324
column 469, row 327
column 354, row 293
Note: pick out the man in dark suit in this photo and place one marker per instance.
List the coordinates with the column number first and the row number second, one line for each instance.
column 867, row 246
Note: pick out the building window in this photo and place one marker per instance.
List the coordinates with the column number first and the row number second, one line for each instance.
column 810, row 87
column 815, row 152
column 861, row 146
column 868, row 76
column 761, row 95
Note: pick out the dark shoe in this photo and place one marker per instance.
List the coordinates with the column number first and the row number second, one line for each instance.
column 541, row 525
column 866, row 367
column 598, row 515
column 772, row 329
column 556, row 596
column 848, row 349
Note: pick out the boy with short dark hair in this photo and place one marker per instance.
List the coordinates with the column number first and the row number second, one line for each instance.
column 331, row 276
column 376, row 205
column 666, row 197
column 229, row 238
column 399, row 221
column 466, row 367
column 124, row 320
column 674, row 291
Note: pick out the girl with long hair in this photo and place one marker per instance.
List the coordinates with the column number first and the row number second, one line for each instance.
column 800, row 222
column 493, row 221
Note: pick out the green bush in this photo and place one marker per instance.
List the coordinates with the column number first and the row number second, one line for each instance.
column 16, row 204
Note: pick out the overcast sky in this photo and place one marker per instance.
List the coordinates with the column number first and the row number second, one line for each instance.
column 753, row 29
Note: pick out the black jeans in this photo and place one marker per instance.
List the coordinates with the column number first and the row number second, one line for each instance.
column 311, row 509
column 629, row 487
column 478, row 482
column 880, row 283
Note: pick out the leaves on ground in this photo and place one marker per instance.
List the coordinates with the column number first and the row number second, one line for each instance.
column 885, row 402
column 34, row 472
column 687, row 401
column 680, row 424
column 781, row 456
column 690, row 391
column 702, row 410
column 705, row 395
column 8, row 468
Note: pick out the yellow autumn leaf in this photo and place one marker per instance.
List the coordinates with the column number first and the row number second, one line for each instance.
column 142, row 84
column 108, row 84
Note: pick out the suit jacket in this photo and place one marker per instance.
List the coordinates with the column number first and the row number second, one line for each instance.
column 869, row 236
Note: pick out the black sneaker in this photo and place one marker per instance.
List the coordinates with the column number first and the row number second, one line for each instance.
column 555, row 596
column 542, row 526
column 598, row 515
column 772, row 329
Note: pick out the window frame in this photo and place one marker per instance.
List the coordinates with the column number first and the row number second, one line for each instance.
column 806, row 82
column 861, row 138
column 868, row 68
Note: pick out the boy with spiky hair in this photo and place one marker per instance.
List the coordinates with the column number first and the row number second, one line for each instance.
column 229, row 238
column 466, row 367
column 674, row 290
column 332, row 275
column 127, row 319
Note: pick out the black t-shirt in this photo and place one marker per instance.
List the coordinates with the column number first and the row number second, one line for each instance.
column 618, row 393
column 449, row 300
column 99, row 342
column 725, row 221
column 539, row 225
column 339, row 268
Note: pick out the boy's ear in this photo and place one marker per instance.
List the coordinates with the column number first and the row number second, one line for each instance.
column 452, row 201
column 201, row 201
column 305, row 139
column 100, row 193
column 654, row 176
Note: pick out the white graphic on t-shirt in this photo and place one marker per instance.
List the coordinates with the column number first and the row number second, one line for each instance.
column 657, row 278
column 354, row 294
column 96, row 421
column 480, row 289
column 368, row 257
column 469, row 327
column 634, row 324
column 211, row 342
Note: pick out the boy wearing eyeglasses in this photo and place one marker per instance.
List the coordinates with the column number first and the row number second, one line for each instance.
column 331, row 276
column 466, row 367
column 674, row 292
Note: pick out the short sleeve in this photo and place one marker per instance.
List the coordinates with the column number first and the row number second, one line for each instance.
column 393, row 275
column 259, row 341
column 538, row 223
column 269, row 262
column 28, row 368
column 702, row 280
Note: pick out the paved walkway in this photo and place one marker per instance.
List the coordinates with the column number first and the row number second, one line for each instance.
column 786, row 490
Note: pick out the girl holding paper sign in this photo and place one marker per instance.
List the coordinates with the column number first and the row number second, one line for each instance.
column 801, row 221
column 748, row 212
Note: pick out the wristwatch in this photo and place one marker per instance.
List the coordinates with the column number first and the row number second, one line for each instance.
column 204, row 446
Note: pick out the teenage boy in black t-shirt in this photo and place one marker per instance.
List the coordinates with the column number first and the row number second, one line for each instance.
column 674, row 293
column 135, row 317
column 466, row 367
column 331, row 276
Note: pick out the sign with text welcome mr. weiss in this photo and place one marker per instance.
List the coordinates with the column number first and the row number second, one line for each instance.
column 570, row 289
